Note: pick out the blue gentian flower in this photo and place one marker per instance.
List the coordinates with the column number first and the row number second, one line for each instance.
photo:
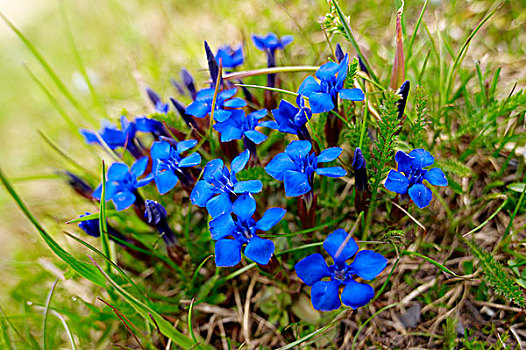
column 411, row 173
column 293, row 120
column 271, row 42
column 239, row 125
column 219, row 187
column 230, row 58
column 115, row 137
column 243, row 231
column 122, row 183
column 169, row 166
column 160, row 107
column 145, row 124
column 297, row 165
column 325, row 294
column 203, row 104
column 156, row 215
column 323, row 96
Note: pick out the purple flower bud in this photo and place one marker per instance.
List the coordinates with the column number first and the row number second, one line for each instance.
column 188, row 81
column 80, row 186
column 403, row 91
column 363, row 68
column 338, row 53
column 155, row 215
column 213, row 67
column 360, row 171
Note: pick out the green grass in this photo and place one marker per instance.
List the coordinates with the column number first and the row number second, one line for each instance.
column 74, row 63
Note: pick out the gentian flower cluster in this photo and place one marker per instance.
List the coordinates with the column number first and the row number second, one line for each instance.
column 230, row 57
column 325, row 294
column 243, row 231
column 323, row 95
column 169, row 166
column 202, row 105
column 220, row 188
column 122, row 183
column 297, row 165
column 411, row 173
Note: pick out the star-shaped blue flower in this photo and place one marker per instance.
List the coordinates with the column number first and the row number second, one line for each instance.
column 230, row 57
column 122, row 183
column 271, row 42
column 239, row 125
column 411, row 173
column 112, row 135
column 145, row 124
column 169, row 166
column 325, row 294
column 323, row 96
column 292, row 120
column 219, row 187
column 243, row 231
column 203, row 104
column 297, row 165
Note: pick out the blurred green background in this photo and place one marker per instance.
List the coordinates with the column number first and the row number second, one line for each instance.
column 125, row 46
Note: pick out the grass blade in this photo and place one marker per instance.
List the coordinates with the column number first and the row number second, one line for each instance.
column 82, row 268
column 46, row 313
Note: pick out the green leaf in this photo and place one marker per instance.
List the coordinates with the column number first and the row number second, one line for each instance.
column 516, row 187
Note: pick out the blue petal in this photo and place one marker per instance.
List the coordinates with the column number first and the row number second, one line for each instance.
column 165, row 181
column 327, row 71
column 368, row 264
column 205, row 94
column 259, row 250
column 255, row 136
column 228, row 131
column 320, row 102
column 239, row 162
column 329, row 154
column 286, row 39
column 300, row 149
column 222, row 226
column 213, row 170
column 89, row 136
column 422, row 157
column 117, row 172
column 192, row 160
column 160, row 150
column 251, row 186
column 357, row 294
column 219, row 205
column 220, row 115
column 271, row 124
column 198, row 109
column 123, row 200
column 258, row 42
column 296, row 183
column 226, row 94
column 308, row 86
column 405, row 162
column 279, row 165
column 202, row 192
column 97, row 193
column 436, row 177
column 334, row 171
column 271, row 217
column 145, row 180
column 396, row 182
column 352, row 94
column 334, row 241
column 236, row 102
column 139, row 167
column 342, row 71
column 312, row 269
column 244, row 207
column 325, row 295
column 228, row 252
column 185, row 145
column 258, row 114
column 421, row 195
